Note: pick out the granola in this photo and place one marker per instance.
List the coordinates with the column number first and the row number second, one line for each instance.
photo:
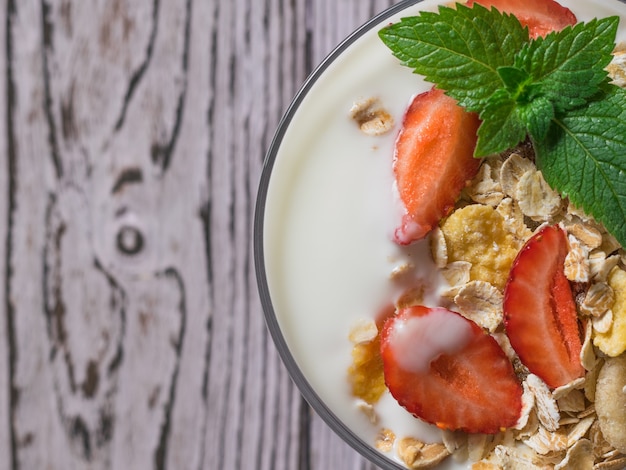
column 580, row 425
column 574, row 426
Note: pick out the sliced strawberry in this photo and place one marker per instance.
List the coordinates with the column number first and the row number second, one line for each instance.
column 539, row 310
column 433, row 161
column 447, row 371
column 541, row 16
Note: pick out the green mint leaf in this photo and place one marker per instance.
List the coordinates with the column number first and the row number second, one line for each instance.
column 515, row 80
column 569, row 65
column 553, row 89
column 506, row 122
column 501, row 127
column 458, row 49
column 537, row 116
column 583, row 157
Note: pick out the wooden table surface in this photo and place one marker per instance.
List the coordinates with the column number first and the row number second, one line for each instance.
column 133, row 137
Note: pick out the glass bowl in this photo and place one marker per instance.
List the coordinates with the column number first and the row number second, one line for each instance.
column 324, row 217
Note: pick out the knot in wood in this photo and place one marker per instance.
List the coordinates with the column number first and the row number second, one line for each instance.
column 129, row 240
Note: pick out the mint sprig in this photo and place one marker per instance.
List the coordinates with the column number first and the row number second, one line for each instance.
column 569, row 65
column 584, row 156
column 553, row 90
column 459, row 49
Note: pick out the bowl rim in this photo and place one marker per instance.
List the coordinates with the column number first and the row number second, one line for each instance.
column 297, row 376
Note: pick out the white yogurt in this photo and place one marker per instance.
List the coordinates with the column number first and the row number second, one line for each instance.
column 418, row 341
column 330, row 215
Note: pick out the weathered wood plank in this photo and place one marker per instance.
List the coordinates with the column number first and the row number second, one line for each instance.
column 253, row 408
column 30, row 171
column 5, row 430
column 115, row 314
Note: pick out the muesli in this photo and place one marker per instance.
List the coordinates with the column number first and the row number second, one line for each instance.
column 523, row 363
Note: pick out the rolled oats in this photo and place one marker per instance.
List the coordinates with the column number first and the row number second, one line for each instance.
column 454, row 440
column 371, row 117
column 481, row 302
column 602, row 450
column 564, row 390
column 603, row 323
column 457, row 274
column 617, row 69
column 547, row 409
column 401, row 271
column 416, row 454
column 591, row 410
column 579, row 430
column 611, row 402
column 586, row 233
column 588, row 357
column 568, row 420
column 484, row 465
column 514, row 220
column 577, row 261
column 439, row 248
column 614, row 464
column 591, row 381
column 517, row 458
column 478, row 446
column 512, row 170
column 368, row 410
column 484, row 189
column 537, row 200
column 598, row 299
column 546, row 442
column 579, row 456
column 574, row 401
column 600, row 265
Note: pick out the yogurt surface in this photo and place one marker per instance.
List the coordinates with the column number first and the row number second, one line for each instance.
column 329, row 215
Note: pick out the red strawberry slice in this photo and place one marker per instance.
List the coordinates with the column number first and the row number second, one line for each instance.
column 539, row 310
column 433, row 161
column 541, row 16
column 447, row 371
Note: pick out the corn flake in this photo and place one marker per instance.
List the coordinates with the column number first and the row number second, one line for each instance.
column 477, row 234
column 366, row 371
column 613, row 342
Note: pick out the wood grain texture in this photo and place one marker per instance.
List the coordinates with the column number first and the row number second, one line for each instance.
column 134, row 133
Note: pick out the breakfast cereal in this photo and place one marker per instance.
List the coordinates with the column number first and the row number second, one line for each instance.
column 477, row 234
column 613, row 341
